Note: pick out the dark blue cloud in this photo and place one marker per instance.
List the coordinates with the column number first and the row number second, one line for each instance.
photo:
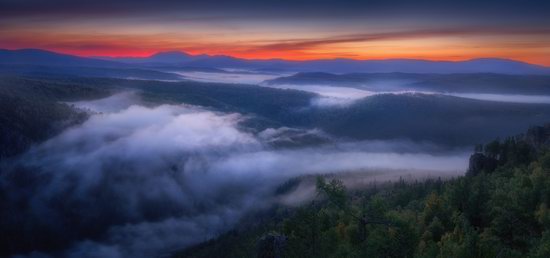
column 503, row 10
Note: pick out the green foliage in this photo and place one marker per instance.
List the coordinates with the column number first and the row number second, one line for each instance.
column 500, row 213
column 504, row 213
column 334, row 191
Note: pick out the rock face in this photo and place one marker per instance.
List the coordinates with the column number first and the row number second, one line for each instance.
column 479, row 163
column 271, row 246
column 538, row 136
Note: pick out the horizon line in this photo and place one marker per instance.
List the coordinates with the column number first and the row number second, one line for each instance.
column 272, row 58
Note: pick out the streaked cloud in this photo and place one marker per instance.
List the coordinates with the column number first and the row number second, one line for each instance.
column 298, row 30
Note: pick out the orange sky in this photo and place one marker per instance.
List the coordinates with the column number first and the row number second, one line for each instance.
column 532, row 48
column 344, row 33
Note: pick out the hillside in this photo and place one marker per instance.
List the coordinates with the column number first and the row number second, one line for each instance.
column 31, row 111
column 48, row 58
column 456, row 83
column 277, row 127
column 497, row 211
column 80, row 71
column 385, row 116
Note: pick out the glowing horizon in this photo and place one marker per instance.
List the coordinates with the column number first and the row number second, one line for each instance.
column 149, row 54
column 297, row 30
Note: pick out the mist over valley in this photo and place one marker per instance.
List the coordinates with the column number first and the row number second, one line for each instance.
column 270, row 146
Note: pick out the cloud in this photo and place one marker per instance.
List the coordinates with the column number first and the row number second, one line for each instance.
column 238, row 77
column 128, row 167
column 136, row 181
column 512, row 98
column 304, row 44
column 110, row 104
column 337, row 96
column 329, row 96
column 145, row 239
column 281, row 9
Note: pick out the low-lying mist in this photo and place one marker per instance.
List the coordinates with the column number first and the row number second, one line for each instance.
column 329, row 96
column 138, row 181
column 512, row 98
column 345, row 93
column 231, row 76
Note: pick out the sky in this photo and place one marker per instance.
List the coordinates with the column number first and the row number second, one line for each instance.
column 295, row 30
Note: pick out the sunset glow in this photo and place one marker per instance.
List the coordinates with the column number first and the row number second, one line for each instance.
column 274, row 128
column 286, row 31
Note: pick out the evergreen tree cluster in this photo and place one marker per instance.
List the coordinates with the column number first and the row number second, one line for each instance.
column 502, row 212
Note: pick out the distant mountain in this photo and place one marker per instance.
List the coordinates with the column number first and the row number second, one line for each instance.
column 170, row 57
column 48, row 58
column 35, row 62
column 176, row 60
column 182, row 59
column 80, row 71
column 482, row 65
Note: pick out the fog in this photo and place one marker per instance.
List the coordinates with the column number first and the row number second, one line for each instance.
column 339, row 96
column 231, row 76
column 512, row 98
column 136, row 181
column 333, row 96
column 113, row 103
column 329, row 96
column 336, row 95
column 329, row 91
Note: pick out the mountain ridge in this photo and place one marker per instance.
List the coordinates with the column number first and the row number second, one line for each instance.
column 43, row 57
column 340, row 65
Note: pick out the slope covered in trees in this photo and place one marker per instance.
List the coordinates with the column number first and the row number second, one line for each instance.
column 497, row 211
column 416, row 117
column 457, row 83
column 31, row 110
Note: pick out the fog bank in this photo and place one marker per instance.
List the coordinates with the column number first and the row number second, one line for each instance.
column 136, row 181
column 236, row 77
column 512, row 98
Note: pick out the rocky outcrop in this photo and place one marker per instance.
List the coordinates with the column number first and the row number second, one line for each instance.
column 537, row 138
column 271, row 246
column 481, row 163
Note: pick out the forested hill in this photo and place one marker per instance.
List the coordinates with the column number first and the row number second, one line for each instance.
column 32, row 110
column 499, row 209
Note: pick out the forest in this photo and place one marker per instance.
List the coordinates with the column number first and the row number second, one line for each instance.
column 274, row 129
column 499, row 209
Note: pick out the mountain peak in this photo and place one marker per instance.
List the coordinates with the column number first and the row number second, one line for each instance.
column 174, row 53
column 179, row 58
column 169, row 57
